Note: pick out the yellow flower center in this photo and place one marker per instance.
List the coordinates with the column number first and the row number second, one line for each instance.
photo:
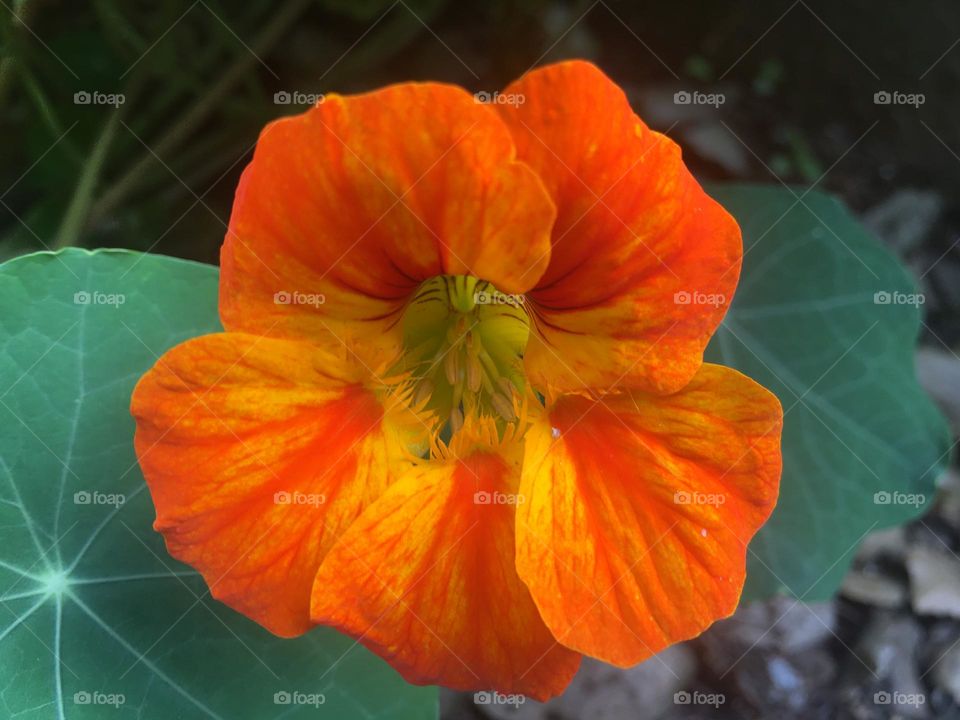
column 464, row 342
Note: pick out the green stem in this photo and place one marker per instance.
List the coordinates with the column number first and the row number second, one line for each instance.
column 20, row 15
column 78, row 211
column 211, row 100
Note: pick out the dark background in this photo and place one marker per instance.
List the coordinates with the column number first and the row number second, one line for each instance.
column 798, row 79
column 199, row 79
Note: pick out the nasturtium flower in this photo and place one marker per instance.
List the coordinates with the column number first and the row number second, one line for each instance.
column 459, row 410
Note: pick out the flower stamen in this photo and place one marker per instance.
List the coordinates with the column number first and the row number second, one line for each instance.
column 464, row 349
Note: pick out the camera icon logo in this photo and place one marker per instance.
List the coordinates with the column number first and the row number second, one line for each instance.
column 82, row 98
column 282, row 298
column 282, row 98
column 682, row 97
column 282, row 698
column 82, row 498
column 82, row 698
column 882, row 97
column 81, row 298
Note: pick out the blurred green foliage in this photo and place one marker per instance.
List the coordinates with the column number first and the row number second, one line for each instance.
column 197, row 80
column 199, row 76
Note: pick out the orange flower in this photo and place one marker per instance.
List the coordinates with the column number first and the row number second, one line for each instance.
column 460, row 411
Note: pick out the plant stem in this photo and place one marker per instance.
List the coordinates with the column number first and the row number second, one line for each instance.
column 128, row 182
column 75, row 218
column 20, row 16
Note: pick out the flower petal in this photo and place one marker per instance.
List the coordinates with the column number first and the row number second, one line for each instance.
column 639, row 508
column 426, row 579
column 643, row 264
column 258, row 454
column 363, row 197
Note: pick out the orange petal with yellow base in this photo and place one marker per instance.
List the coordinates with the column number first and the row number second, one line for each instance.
column 258, row 454
column 643, row 263
column 363, row 197
column 426, row 579
column 639, row 509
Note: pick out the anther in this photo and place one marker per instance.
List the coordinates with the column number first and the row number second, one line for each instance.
column 451, row 365
column 506, row 387
column 503, row 407
column 474, row 373
column 423, row 391
column 456, row 420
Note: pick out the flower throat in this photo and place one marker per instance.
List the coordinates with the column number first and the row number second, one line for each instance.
column 463, row 347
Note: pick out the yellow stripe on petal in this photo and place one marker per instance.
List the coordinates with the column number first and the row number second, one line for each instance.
column 347, row 208
column 259, row 454
column 426, row 579
column 643, row 262
column 639, row 510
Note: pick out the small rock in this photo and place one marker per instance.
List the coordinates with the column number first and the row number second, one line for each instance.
column 781, row 624
column 948, row 498
column 888, row 640
column 904, row 219
column 714, row 142
column 655, row 682
column 889, row 647
column 934, row 581
column 456, row 705
column 939, row 374
column 935, row 533
column 603, row 692
column 944, row 277
column 874, row 589
column 784, row 683
column 805, row 625
column 946, row 672
column 889, row 543
column 940, row 670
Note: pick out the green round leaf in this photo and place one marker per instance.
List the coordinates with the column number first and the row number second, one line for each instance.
column 96, row 619
column 828, row 320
